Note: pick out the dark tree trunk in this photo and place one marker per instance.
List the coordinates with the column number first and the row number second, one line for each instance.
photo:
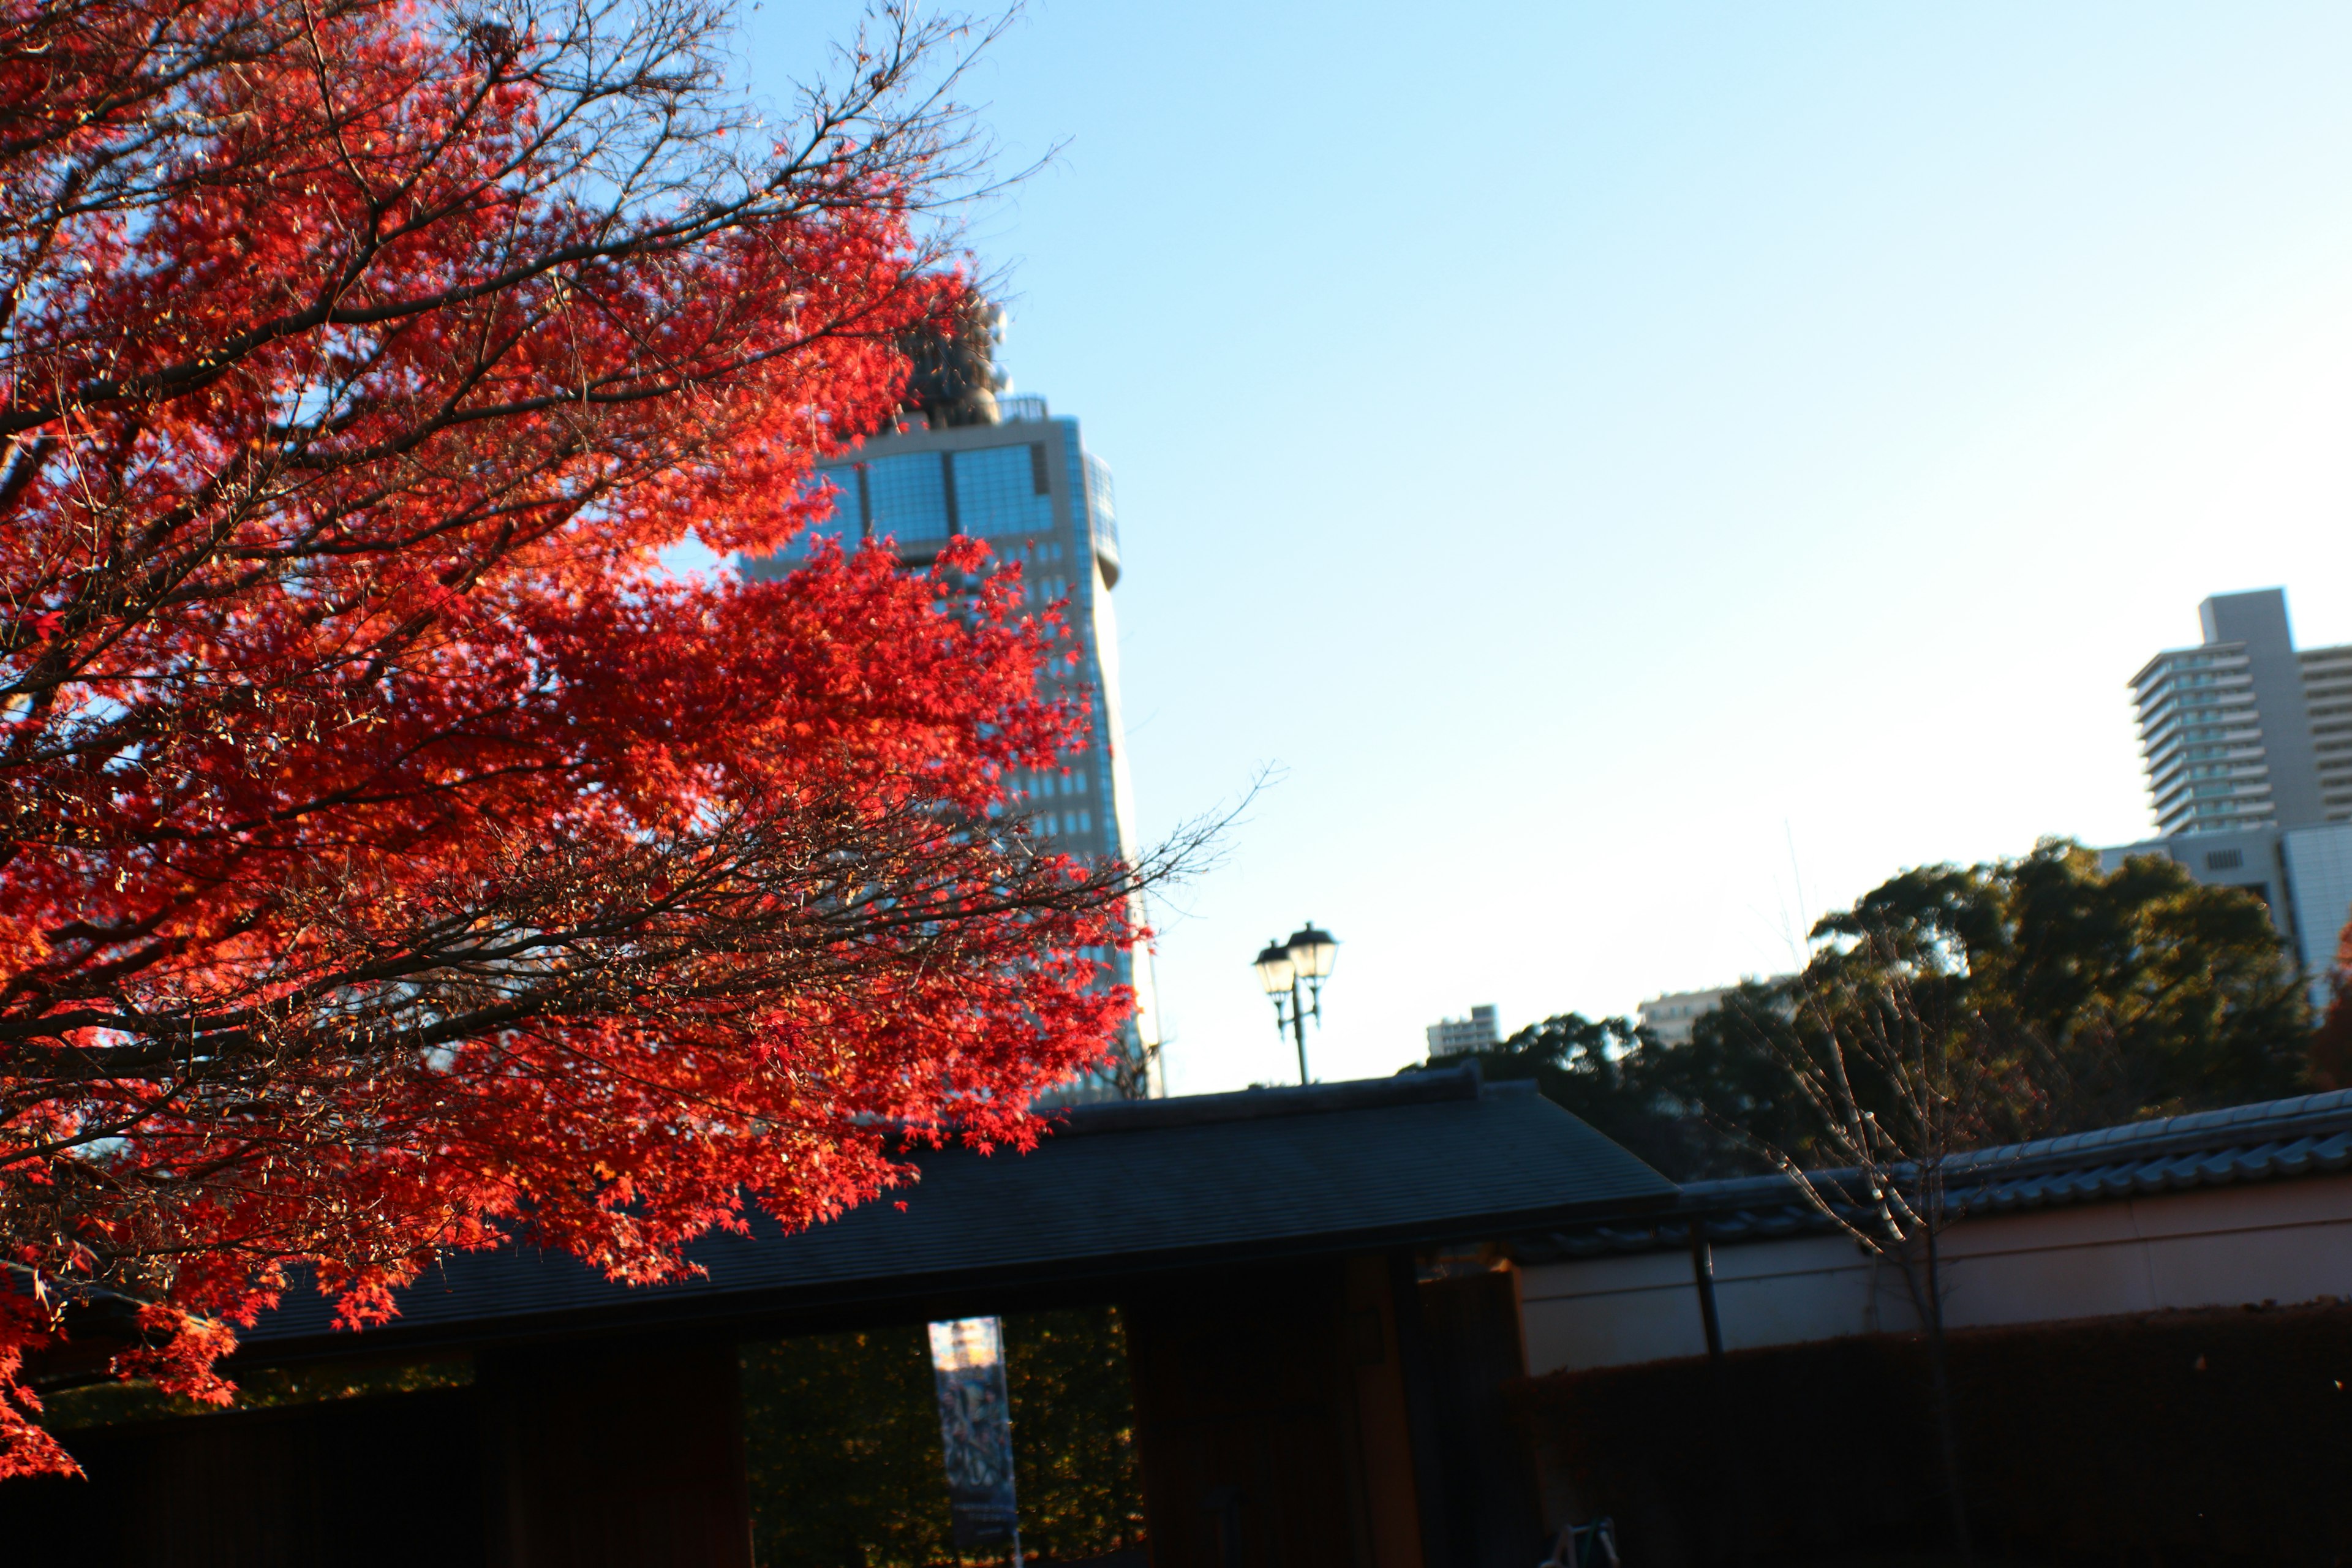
column 1941, row 1383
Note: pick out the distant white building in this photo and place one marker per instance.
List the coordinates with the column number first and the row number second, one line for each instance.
column 1669, row 1018
column 1460, row 1036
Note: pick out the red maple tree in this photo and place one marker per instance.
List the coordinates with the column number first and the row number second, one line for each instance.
column 2331, row 1044
column 392, row 858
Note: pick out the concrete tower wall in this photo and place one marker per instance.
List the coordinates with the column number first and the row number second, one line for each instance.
column 2258, row 621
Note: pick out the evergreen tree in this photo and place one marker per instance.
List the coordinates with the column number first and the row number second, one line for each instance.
column 2090, row 998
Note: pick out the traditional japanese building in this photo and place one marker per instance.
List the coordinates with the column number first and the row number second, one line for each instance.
column 1317, row 1322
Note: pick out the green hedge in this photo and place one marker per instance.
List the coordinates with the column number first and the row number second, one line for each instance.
column 2210, row 1438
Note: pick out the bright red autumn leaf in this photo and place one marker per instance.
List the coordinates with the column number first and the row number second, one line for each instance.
column 391, row 858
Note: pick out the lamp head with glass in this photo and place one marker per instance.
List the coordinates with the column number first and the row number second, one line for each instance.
column 1275, row 971
column 1313, row 951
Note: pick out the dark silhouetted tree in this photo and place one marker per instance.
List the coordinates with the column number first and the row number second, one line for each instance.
column 2091, row 998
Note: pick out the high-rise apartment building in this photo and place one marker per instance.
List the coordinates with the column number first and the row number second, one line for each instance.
column 1004, row 469
column 2244, row 731
column 2247, row 741
column 2328, row 698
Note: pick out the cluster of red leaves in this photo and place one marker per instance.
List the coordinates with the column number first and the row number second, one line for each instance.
column 2331, row 1043
column 391, row 858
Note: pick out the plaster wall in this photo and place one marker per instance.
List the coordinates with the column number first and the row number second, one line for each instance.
column 2275, row 1241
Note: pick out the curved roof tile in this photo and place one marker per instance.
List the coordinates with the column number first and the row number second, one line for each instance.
column 2303, row 1135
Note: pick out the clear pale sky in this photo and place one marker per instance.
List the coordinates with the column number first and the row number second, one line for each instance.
column 1645, row 474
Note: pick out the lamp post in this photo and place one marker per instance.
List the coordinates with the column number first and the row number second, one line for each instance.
column 1283, row 966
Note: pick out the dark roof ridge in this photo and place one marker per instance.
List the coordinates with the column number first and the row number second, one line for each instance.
column 1215, row 1182
column 1464, row 1082
column 2267, row 1120
column 2127, row 1144
column 2307, row 1135
column 2188, row 1128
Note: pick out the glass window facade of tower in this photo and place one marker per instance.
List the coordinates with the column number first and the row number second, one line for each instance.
column 1026, row 484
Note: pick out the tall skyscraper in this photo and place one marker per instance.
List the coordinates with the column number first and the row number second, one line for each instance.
column 2242, row 730
column 2247, row 741
column 968, row 462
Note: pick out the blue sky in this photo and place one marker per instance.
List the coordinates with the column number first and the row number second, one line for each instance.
column 1643, row 475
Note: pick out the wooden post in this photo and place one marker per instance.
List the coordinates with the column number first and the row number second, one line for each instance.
column 1420, row 1406
column 1703, row 1276
column 617, row 1455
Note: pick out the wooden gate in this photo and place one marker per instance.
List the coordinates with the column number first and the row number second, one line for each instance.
column 1272, row 1425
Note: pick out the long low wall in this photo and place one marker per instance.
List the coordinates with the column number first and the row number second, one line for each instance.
column 2284, row 1241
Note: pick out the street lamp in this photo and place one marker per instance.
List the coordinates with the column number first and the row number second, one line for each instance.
column 1281, row 967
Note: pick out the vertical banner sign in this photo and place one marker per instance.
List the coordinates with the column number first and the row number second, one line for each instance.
column 975, row 1428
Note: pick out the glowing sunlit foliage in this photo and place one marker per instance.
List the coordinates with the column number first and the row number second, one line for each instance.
column 391, row 858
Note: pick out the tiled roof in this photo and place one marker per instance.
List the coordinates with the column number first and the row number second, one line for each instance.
column 2306, row 1135
column 1120, row 1192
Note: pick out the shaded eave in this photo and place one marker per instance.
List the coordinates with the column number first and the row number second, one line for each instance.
column 1120, row 1200
column 905, row 1298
